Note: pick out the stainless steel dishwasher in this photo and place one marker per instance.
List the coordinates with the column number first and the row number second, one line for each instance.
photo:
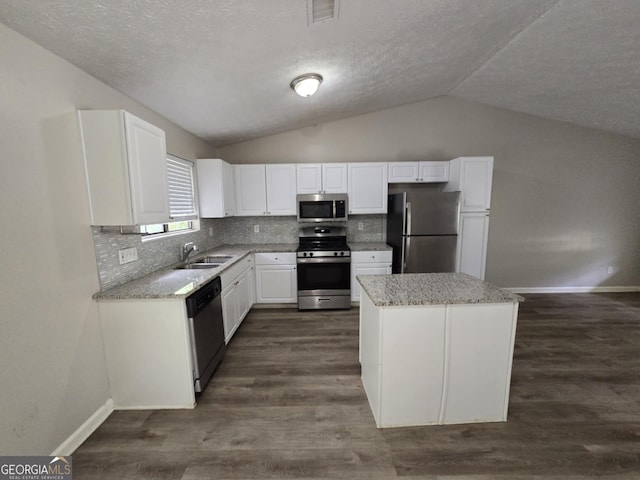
column 204, row 309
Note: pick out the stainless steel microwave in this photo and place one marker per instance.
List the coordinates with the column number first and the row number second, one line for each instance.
column 322, row 207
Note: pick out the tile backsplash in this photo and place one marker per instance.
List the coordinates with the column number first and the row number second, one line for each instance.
column 161, row 252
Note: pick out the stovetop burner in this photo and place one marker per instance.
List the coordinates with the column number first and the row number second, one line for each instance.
column 323, row 241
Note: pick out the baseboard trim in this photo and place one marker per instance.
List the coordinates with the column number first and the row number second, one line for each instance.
column 572, row 289
column 82, row 433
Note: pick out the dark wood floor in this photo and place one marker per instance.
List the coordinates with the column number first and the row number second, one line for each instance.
column 287, row 402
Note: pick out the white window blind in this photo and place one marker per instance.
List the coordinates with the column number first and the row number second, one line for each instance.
column 182, row 203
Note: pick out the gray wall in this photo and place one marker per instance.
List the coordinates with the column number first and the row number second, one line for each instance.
column 53, row 375
column 565, row 202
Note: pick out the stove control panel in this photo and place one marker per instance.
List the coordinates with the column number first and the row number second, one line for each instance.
column 324, row 253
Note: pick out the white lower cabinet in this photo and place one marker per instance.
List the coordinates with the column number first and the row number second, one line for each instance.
column 472, row 243
column 237, row 295
column 437, row 364
column 276, row 278
column 148, row 353
column 368, row 263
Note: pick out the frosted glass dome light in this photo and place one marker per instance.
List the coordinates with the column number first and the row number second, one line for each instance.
column 307, row 84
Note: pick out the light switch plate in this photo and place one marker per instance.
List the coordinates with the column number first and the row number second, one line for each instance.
column 127, row 255
column 256, row 229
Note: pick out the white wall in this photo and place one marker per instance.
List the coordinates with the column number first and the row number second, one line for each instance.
column 565, row 202
column 53, row 374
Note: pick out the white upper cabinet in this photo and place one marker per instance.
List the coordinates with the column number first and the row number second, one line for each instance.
column 334, row 178
column 126, row 166
column 216, row 188
column 309, row 178
column 434, row 172
column 473, row 177
column 281, row 189
column 367, row 187
column 251, row 190
column 418, row 172
column 321, row 178
column 265, row 189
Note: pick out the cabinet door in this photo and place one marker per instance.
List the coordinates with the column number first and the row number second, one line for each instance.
column 251, row 193
column 475, row 183
column 472, row 243
column 404, row 172
column 281, row 189
column 367, row 188
column 147, row 154
column 434, row 172
column 479, row 356
column 213, row 190
column 228, row 189
column 334, row 178
column 244, row 291
column 276, row 284
column 365, row 269
column 229, row 311
column 309, row 177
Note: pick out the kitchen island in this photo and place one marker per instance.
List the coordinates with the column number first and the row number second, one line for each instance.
column 436, row 348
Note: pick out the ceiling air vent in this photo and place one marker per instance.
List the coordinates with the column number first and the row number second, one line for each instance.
column 322, row 10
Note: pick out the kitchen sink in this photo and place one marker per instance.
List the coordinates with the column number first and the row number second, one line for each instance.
column 220, row 259
column 210, row 261
column 198, row 266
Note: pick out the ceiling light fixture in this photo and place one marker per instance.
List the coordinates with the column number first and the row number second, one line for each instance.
column 307, row 84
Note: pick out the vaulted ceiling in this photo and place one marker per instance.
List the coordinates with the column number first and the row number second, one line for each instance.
column 221, row 68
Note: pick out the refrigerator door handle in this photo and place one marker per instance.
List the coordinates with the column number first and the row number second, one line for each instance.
column 407, row 216
column 405, row 253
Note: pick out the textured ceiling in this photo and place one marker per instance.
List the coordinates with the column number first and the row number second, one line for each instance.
column 221, row 68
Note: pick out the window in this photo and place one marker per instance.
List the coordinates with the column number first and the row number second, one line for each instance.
column 182, row 202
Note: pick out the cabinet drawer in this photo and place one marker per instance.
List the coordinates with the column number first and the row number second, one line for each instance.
column 371, row 256
column 281, row 258
column 228, row 276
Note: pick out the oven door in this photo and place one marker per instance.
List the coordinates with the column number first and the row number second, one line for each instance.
column 324, row 275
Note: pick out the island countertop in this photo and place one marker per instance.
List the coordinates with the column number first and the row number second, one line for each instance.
column 432, row 289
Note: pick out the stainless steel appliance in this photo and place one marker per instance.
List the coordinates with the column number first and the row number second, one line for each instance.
column 204, row 309
column 422, row 228
column 322, row 207
column 324, row 268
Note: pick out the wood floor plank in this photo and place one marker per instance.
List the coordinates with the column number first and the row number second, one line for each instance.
column 287, row 402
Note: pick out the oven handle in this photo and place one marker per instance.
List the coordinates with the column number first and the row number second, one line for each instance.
column 325, row 260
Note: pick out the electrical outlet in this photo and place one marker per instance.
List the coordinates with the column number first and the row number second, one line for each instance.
column 610, row 270
column 256, row 229
column 128, row 255
column 360, row 226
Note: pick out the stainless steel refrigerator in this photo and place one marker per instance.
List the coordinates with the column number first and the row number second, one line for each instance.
column 422, row 228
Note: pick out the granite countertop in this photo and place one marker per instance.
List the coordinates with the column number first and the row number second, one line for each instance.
column 368, row 246
column 171, row 283
column 432, row 289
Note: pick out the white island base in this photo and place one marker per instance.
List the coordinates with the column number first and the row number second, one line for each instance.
column 434, row 364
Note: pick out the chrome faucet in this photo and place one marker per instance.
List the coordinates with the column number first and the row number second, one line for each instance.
column 187, row 248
